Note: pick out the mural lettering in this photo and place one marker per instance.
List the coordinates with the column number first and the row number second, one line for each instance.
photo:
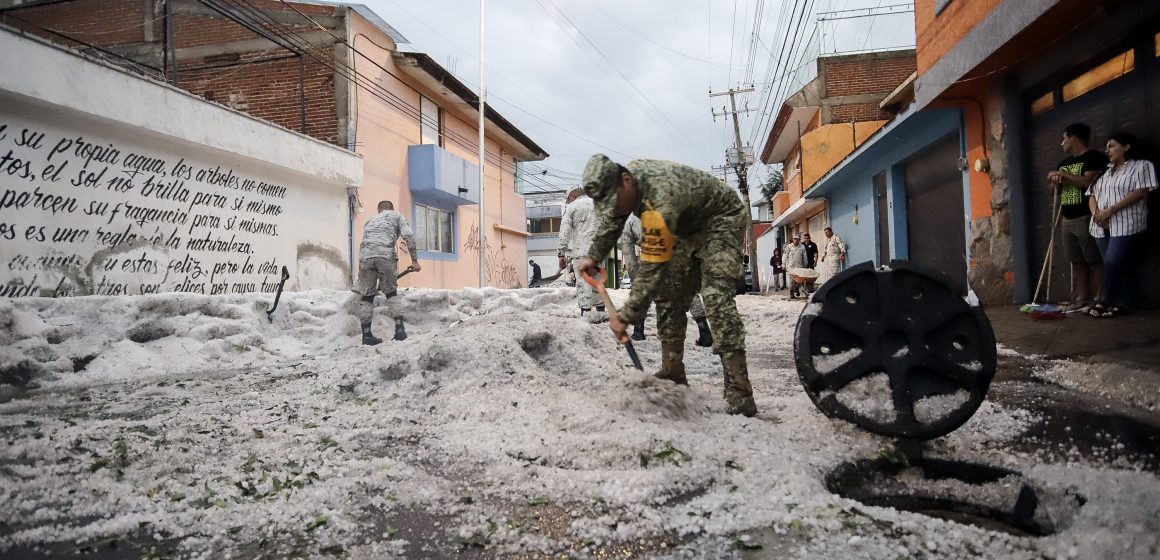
column 80, row 215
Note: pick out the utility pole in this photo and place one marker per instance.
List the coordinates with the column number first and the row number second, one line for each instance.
column 740, row 161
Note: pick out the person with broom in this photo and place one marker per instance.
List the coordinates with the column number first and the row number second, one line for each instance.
column 692, row 224
column 1078, row 171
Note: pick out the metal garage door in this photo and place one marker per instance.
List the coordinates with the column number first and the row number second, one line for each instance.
column 936, row 233
column 1124, row 104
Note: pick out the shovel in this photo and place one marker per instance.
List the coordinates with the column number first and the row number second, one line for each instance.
column 278, row 296
column 409, row 270
column 597, row 282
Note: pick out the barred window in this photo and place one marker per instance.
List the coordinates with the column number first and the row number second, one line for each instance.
column 434, row 229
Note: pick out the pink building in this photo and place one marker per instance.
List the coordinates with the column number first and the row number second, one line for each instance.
column 428, row 165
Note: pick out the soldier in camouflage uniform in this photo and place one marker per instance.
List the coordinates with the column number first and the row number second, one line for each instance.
column 630, row 239
column 692, row 225
column 577, row 227
column 379, row 264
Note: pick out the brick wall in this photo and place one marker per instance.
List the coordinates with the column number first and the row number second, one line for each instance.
column 936, row 34
column 269, row 90
column 865, row 74
column 859, row 112
column 100, row 22
column 263, row 82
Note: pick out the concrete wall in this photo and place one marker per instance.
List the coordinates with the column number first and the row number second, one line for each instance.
column 384, row 130
column 135, row 187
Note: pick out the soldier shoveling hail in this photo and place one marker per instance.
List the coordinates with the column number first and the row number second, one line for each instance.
column 378, row 268
column 692, row 224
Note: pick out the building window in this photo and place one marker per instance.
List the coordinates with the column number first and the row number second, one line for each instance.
column 940, row 5
column 434, row 229
column 430, row 122
column 1156, row 41
column 544, row 225
column 1119, row 65
column 1043, row 104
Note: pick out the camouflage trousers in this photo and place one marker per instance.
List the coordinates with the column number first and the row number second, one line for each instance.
column 374, row 275
column 709, row 263
column 586, row 296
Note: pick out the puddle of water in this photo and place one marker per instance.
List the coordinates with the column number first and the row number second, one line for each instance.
column 1113, row 437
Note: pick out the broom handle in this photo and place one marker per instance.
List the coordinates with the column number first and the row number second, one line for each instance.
column 1050, row 248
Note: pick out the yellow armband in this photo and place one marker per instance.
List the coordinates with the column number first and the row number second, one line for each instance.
column 657, row 246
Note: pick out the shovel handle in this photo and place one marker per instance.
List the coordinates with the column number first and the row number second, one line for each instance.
column 597, row 282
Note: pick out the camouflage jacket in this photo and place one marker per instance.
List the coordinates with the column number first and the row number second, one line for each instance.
column 795, row 256
column 382, row 233
column 577, row 228
column 632, row 235
column 686, row 198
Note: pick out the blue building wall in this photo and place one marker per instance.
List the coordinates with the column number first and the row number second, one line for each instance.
column 849, row 189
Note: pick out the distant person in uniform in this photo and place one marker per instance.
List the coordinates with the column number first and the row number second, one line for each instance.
column 379, row 265
column 833, row 254
column 692, row 225
column 576, row 230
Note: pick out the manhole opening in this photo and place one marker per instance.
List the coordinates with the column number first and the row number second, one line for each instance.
column 984, row 496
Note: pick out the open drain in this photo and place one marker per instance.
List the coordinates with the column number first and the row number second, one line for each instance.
column 897, row 351
column 990, row 497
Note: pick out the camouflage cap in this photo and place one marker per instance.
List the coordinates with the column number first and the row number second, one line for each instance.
column 601, row 177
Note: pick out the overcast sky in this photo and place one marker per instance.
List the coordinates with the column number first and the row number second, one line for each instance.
column 630, row 78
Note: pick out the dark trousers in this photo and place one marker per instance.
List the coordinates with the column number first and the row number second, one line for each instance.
column 1121, row 264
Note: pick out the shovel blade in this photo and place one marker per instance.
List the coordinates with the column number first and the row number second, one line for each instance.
column 632, row 356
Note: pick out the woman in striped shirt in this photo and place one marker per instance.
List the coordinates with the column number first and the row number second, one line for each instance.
column 1119, row 217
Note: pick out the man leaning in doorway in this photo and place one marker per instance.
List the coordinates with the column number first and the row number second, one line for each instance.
column 1075, row 174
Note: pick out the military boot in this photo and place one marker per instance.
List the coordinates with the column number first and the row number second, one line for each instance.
column 738, row 392
column 368, row 338
column 638, row 331
column 400, row 332
column 706, row 337
column 673, row 363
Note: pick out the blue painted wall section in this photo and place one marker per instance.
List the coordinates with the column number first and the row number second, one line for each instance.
column 849, row 189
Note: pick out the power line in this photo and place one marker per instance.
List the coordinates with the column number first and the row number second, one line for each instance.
column 613, row 65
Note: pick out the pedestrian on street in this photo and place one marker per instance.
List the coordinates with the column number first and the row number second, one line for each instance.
column 833, row 255
column 692, row 224
column 379, row 264
column 811, row 250
column 1119, row 205
column 536, row 277
column 577, row 228
column 778, row 270
column 795, row 257
column 630, row 241
column 1074, row 175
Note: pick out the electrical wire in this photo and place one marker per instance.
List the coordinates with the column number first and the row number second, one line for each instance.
column 558, row 10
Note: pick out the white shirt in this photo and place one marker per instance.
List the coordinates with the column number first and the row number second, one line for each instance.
column 1113, row 186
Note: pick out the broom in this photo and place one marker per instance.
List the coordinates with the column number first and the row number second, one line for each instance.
column 1046, row 310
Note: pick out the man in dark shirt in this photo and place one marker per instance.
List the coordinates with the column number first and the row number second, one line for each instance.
column 536, row 278
column 811, row 250
column 1071, row 179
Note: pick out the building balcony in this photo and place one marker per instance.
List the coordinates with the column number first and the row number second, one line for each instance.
column 440, row 178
